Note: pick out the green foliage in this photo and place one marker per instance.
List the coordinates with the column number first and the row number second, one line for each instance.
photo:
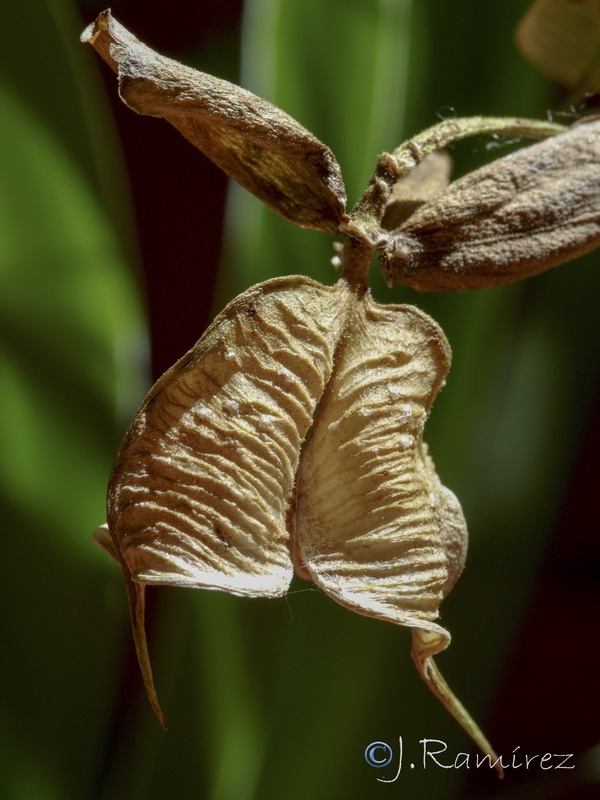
column 72, row 338
column 265, row 699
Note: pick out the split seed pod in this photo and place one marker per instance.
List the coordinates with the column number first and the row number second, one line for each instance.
column 290, row 437
column 213, row 487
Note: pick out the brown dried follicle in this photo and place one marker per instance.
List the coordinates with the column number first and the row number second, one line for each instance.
column 216, row 484
column 214, row 464
column 562, row 39
column 520, row 215
column 259, row 145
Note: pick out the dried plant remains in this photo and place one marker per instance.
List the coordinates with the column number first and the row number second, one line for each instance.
column 562, row 39
column 217, row 484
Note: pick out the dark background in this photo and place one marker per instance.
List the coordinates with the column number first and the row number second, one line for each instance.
column 111, row 224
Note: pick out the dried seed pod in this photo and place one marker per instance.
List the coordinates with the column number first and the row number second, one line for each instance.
column 520, row 215
column 250, row 139
column 413, row 172
column 218, row 483
column 369, row 507
column 374, row 527
column 201, row 487
column 562, row 39
column 202, row 491
column 423, row 183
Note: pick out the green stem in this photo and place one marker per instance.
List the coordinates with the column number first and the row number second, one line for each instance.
column 366, row 216
column 413, row 151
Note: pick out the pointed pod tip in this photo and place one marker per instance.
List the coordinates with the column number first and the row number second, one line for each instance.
column 257, row 144
column 101, row 23
column 160, row 716
column 102, row 34
column 136, row 594
column 425, row 645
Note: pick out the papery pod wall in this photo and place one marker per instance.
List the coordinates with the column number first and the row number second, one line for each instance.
column 281, row 698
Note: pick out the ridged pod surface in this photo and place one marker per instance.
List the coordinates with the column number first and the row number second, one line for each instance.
column 290, row 437
column 201, row 488
column 201, row 492
column 371, row 513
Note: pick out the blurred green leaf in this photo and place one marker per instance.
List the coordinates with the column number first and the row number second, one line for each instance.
column 72, row 341
column 265, row 699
